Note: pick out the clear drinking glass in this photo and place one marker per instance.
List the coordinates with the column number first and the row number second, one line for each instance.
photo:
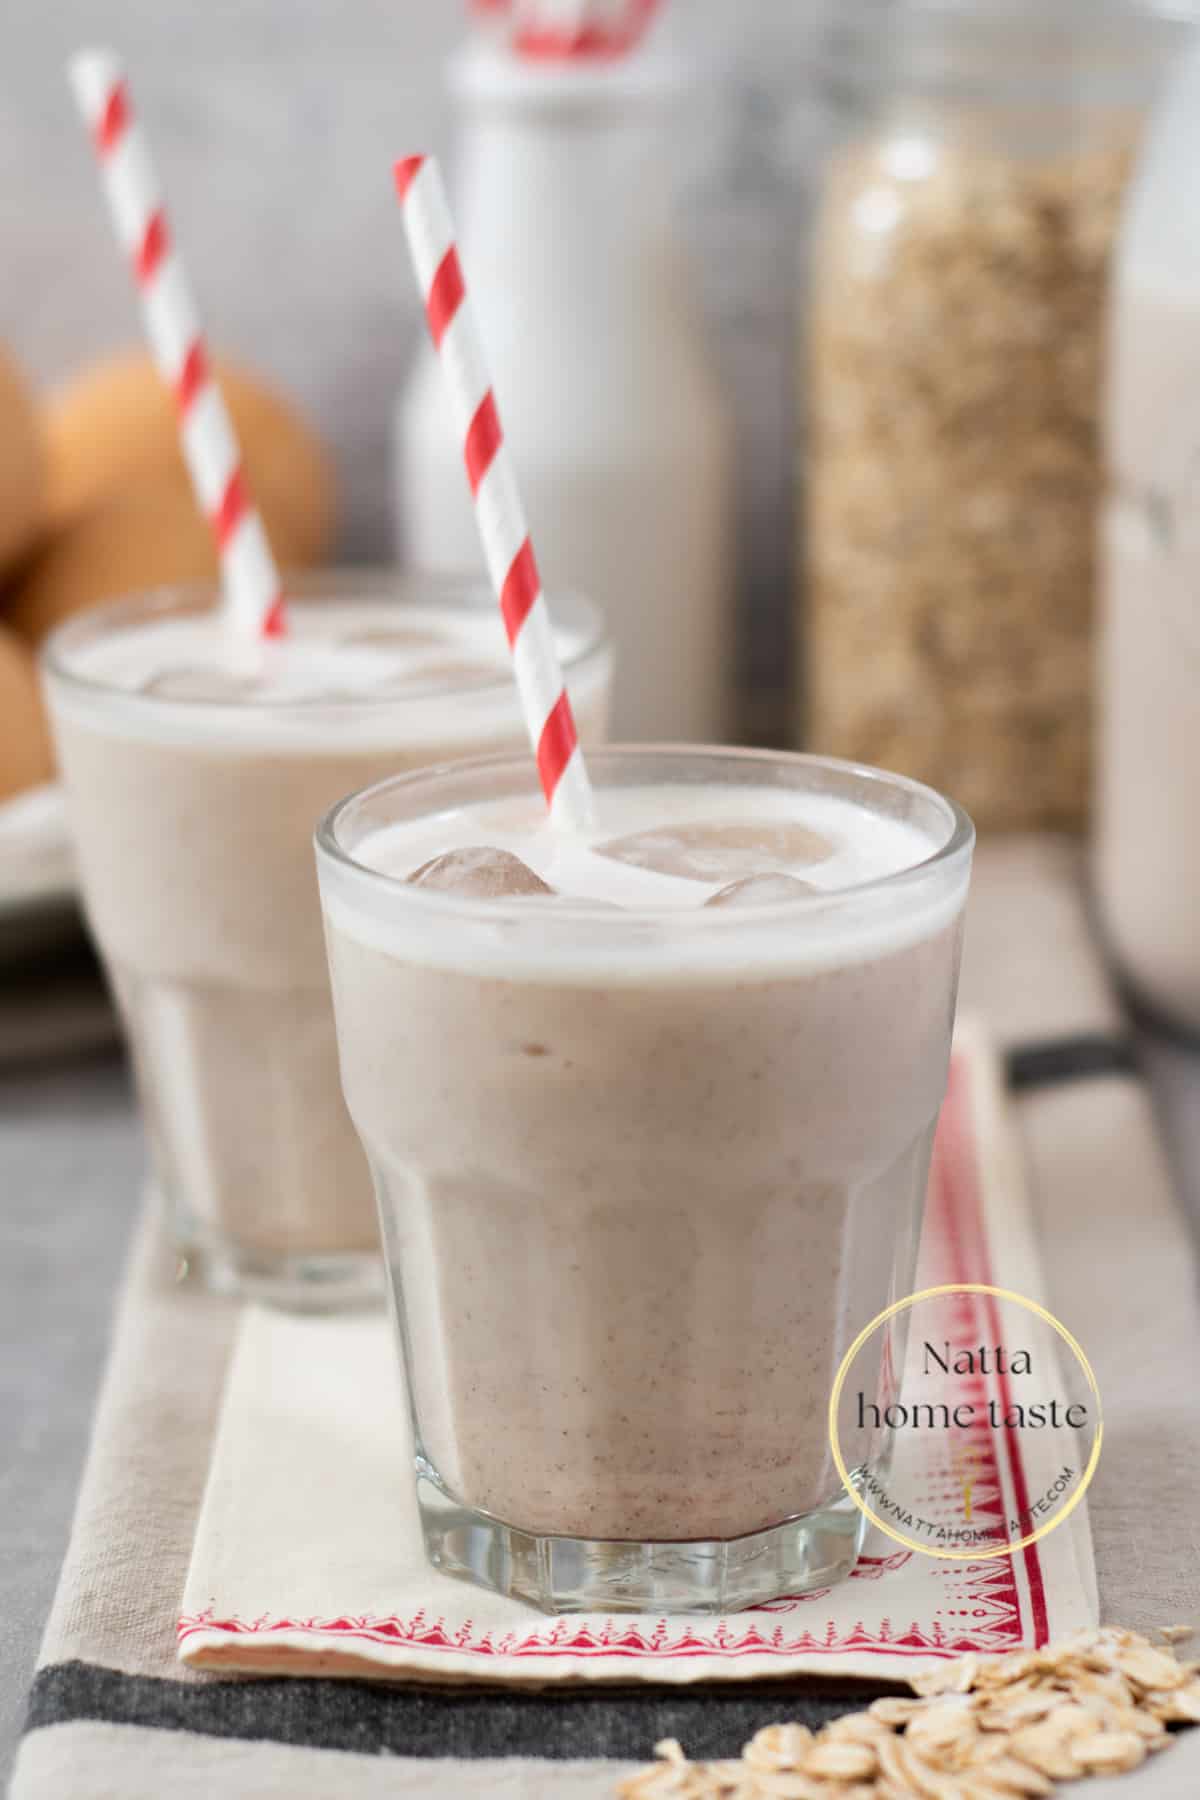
column 642, row 1179
column 192, row 803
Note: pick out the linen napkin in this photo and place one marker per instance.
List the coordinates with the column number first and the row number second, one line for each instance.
column 113, row 1712
column 308, row 1552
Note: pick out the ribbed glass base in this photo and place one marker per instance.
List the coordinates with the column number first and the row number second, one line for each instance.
column 570, row 1575
column 332, row 1281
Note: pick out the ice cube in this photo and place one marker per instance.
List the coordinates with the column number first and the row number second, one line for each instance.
column 480, row 873
column 709, row 850
column 761, row 890
column 200, row 683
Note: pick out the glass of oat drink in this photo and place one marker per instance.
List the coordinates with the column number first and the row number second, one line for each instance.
column 649, row 1111
column 193, row 789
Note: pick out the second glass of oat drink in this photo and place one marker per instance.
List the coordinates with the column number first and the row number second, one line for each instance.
column 194, row 776
column 646, row 1057
column 200, row 734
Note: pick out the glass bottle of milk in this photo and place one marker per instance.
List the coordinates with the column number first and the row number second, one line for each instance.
column 1147, row 859
column 604, row 383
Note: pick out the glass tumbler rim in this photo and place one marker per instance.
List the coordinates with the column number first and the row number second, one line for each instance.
column 952, row 855
column 464, row 590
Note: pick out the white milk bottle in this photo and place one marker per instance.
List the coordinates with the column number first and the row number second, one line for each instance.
column 1147, row 862
column 605, row 385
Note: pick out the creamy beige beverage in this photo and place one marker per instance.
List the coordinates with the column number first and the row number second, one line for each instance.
column 193, row 788
column 649, row 1114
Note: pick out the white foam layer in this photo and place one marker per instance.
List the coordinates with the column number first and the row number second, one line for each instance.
column 352, row 673
column 863, row 845
column 668, row 933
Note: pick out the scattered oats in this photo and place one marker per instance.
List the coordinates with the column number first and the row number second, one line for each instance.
column 997, row 1728
column 980, row 1788
column 927, row 1778
column 779, row 1747
column 1045, row 1749
column 1176, row 1634
column 894, row 1765
column 1071, row 1719
column 780, row 1784
column 894, row 1709
column 949, row 1678
column 843, row 1761
column 862, row 1728
column 1102, row 1690
column 988, row 1747
column 945, row 1733
column 1180, row 1707
column 1151, row 1669
column 1109, row 1750
column 674, row 1778
column 1002, row 1671
column 1008, row 1775
column 1013, row 1707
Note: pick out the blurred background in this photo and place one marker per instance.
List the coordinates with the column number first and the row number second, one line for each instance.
column 811, row 328
column 275, row 128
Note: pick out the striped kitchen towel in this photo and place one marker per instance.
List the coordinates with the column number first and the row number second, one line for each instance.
column 113, row 1712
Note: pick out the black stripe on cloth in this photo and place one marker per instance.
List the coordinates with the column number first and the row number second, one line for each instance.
column 376, row 1718
column 1070, row 1059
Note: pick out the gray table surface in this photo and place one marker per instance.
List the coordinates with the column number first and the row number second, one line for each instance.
column 70, row 1161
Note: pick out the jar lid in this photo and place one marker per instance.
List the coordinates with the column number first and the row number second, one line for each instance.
column 490, row 74
column 1030, row 49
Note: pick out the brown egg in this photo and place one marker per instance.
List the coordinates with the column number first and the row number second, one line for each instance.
column 22, row 465
column 25, row 754
column 116, row 423
column 151, row 537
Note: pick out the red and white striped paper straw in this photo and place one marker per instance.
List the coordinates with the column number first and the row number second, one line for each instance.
column 252, row 588
column 492, row 478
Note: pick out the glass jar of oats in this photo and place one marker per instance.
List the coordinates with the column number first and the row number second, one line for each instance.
column 955, row 349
